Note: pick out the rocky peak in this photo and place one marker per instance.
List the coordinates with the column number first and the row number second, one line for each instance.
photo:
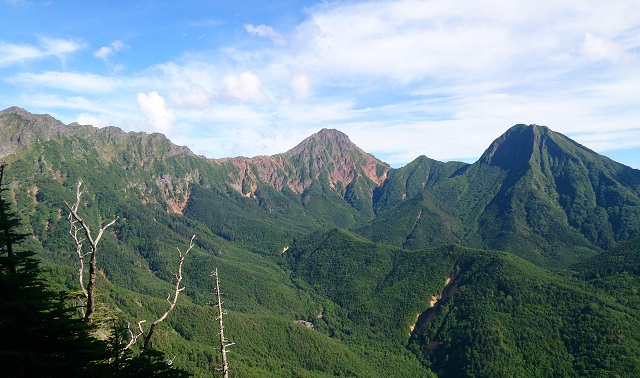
column 517, row 146
column 21, row 128
column 329, row 154
column 15, row 110
column 327, row 138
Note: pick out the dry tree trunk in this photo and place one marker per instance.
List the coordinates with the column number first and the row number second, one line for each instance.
column 224, row 342
column 74, row 218
column 172, row 303
column 133, row 338
column 73, row 231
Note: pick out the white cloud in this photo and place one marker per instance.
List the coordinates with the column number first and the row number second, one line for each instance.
column 11, row 53
column 97, row 120
column 105, row 52
column 300, row 86
column 158, row 116
column 245, row 86
column 409, row 41
column 602, row 49
column 55, row 101
column 266, row 32
column 58, row 47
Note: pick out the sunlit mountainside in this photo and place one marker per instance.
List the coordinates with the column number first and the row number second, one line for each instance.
column 523, row 263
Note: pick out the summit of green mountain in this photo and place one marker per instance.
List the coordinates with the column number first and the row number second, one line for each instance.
column 534, row 192
column 517, row 144
column 553, row 195
column 523, row 145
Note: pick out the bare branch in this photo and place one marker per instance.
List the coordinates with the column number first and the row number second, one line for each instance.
column 224, row 342
column 172, row 303
column 74, row 219
column 73, row 231
column 133, row 338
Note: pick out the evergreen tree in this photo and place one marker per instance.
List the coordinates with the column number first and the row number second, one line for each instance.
column 38, row 334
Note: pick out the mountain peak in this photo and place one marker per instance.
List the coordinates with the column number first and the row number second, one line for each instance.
column 523, row 145
column 328, row 156
column 21, row 128
column 328, row 140
column 15, row 110
column 332, row 134
column 515, row 148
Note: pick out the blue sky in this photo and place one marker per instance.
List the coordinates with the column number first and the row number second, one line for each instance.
column 438, row 78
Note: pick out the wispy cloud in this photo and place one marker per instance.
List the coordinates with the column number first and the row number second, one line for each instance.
column 266, row 32
column 105, row 52
column 68, row 81
column 300, row 86
column 205, row 23
column 13, row 53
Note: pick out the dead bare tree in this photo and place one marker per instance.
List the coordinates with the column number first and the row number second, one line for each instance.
column 133, row 338
column 75, row 219
column 73, row 231
column 224, row 342
column 172, row 303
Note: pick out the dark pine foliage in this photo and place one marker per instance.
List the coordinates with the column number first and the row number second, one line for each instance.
column 38, row 335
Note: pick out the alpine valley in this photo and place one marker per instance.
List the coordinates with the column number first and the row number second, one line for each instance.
column 525, row 263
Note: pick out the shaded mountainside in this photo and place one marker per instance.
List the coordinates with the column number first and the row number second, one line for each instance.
column 533, row 192
column 560, row 193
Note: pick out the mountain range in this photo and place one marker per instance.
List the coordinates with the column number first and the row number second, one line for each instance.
column 433, row 268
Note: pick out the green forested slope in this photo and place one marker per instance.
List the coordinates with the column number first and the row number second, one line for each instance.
column 533, row 192
column 135, row 180
column 616, row 272
column 270, row 226
column 508, row 317
column 501, row 315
